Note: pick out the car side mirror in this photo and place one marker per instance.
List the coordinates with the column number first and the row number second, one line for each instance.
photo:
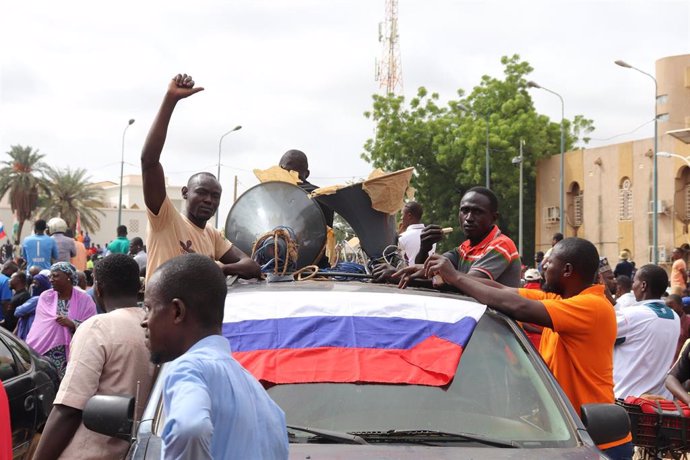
column 110, row 415
column 605, row 423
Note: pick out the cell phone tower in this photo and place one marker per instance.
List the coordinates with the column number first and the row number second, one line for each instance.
column 389, row 67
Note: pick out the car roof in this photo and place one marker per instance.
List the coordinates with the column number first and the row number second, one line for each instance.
column 339, row 286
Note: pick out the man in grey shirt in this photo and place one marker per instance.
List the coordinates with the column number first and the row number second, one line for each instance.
column 65, row 245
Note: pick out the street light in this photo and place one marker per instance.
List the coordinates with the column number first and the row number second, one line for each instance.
column 655, row 187
column 220, row 142
column 487, row 168
column 122, row 169
column 520, row 160
column 674, row 155
column 561, row 215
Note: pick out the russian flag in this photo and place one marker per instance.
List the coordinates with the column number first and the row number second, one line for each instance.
column 2, row 231
column 327, row 336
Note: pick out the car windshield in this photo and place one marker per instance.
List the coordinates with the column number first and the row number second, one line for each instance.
column 497, row 394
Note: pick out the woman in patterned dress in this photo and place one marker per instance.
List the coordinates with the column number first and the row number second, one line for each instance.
column 59, row 312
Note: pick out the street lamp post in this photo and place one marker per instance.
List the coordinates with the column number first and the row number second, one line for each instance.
column 561, row 204
column 122, row 169
column 655, row 184
column 674, row 155
column 220, row 142
column 520, row 160
column 487, row 168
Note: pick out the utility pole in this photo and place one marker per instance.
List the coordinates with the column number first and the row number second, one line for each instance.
column 234, row 195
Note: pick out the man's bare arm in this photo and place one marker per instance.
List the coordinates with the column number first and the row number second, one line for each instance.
column 236, row 262
column 676, row 388
column 153, row 178
column 61, row 425
column 502, row 298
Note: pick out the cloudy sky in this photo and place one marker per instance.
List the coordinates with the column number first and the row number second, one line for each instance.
column 300, row 74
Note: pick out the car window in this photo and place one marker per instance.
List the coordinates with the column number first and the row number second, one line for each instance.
column 21, row 352
column 497, row 393
column 8, row 367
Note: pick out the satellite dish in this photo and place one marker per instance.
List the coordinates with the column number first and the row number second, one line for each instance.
column 272, row 204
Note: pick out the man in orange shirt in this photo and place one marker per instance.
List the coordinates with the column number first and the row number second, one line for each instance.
column 579, row 322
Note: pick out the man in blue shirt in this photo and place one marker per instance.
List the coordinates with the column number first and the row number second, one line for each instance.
column 213, row 407
column 39, row 249
column 5, row 297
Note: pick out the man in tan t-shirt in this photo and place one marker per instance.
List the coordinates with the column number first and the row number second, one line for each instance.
column 170, row 232
column 678, row 273
column 108, row 355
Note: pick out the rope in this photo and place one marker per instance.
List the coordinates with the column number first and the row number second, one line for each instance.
column 282, row 241
column 298, row 273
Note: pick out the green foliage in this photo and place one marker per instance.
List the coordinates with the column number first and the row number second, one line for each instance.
column 446, row 144
column 69, row 192
column 22, row 177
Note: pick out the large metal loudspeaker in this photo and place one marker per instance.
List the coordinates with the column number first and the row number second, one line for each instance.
column 272, row 204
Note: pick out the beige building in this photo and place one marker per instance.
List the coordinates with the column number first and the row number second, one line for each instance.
column 133, row 210
column 608, row 197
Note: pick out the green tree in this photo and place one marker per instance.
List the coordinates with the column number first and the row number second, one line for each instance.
column 70, row 192
column 446, row 145
column 22, row 177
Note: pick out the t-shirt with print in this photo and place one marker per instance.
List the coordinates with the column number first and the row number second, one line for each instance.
column 496, row 257
column 645, row 349
column 579, row 348
column 39, row 250
column 171, row 234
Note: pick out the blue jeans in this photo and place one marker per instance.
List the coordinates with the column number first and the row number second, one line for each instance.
column 622, row 452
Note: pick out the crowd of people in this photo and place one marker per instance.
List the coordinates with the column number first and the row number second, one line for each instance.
column 604, row 333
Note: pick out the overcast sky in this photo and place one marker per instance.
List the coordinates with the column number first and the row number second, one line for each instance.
column 300, row 74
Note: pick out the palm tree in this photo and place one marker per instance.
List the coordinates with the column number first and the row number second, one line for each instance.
column 69, row 193
column 22, row 176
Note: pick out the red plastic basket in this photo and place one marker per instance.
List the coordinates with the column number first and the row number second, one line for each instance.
column 658, row 424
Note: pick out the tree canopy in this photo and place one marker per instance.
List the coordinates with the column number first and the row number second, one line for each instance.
column 22, row 177
column 446, row 144
column 71, row 193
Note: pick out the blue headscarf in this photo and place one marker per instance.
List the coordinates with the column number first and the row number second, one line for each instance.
column 42, row 284
column 66, row 268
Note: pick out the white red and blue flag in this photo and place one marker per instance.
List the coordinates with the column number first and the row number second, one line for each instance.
column 2, row 231
column 328, row 336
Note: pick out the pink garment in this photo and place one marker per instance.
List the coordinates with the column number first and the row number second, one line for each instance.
column 45, row 332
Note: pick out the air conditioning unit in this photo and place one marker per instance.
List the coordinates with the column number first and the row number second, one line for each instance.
column 552, row 214
column 663, row 257
column 661, row 208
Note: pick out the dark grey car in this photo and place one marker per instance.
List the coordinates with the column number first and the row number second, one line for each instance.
column 502, row 403
column 31, row 383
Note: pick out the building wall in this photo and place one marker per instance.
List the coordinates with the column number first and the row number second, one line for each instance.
column 600, row 173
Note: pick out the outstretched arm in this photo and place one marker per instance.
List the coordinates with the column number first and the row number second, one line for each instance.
column 502, row 298
column 236, row 262
column 180, row 87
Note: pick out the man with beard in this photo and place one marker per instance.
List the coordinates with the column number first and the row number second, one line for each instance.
column 213, row 407
column 172, row 233
column 579, row 322
column 487, row 253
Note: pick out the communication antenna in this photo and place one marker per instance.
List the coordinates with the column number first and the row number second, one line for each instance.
column 389, row 67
